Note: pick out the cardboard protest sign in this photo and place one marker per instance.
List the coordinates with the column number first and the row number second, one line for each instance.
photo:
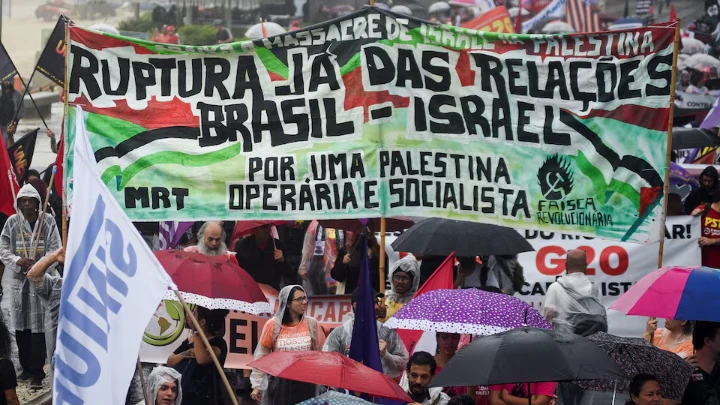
column 377, row 114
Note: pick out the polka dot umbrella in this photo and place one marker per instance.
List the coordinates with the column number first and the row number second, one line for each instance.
column 469, row 311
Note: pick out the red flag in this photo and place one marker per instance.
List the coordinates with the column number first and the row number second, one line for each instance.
column 441, row 279
column 59, row 164
column 673, row 14
column 8, row 182
column 518, row 21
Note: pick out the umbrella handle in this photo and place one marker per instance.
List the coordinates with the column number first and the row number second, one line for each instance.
column 614, row 392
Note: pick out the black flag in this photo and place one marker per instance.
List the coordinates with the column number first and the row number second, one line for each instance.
column 52, row 59
column 7, row 67
column 21, row 154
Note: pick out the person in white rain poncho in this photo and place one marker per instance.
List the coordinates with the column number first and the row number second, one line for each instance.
column 288, row 330
column 393, row 354
column 163, row 387
column 404, row 281
column 16, row 246
column 572, row 303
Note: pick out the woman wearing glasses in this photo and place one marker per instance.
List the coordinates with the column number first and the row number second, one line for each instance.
column 288, row 330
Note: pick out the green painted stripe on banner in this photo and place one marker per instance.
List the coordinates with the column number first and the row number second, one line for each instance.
column 272, row 63
column 169, row 157
column 601, row 188
column 114, row 130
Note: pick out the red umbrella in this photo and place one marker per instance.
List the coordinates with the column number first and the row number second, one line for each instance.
column 357, row 225
column 331, row 369
column 243, row 228
column 214, row 282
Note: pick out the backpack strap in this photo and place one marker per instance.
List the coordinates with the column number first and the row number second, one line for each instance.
column 706, row 210
column 437, row 398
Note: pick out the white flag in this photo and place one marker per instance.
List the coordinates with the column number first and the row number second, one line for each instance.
column 112, row 285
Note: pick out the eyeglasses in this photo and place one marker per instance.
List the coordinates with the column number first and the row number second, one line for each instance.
column 400, row 278
column 301, row 299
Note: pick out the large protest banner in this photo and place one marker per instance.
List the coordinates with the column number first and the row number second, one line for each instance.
column 376, row 114
column 614, row 266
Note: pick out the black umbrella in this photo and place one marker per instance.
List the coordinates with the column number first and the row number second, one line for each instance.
column 688, row 138
column 526, row 355
column 636, row 356
column 439, row 236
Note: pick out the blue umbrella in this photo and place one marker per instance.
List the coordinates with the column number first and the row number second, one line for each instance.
column 335, row 398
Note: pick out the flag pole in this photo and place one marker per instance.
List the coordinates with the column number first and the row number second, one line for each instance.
column 64, row 134
column 207, row 345
column 372, row 4
column 666, row 187
column 142, row 382
column 17, row 210
column 42, row 218
column 27, row 91
column 382, row 248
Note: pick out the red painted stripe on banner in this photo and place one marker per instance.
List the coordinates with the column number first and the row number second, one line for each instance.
column 357, row 96
column 157, row 114
column 646, row 117
column 97, row 41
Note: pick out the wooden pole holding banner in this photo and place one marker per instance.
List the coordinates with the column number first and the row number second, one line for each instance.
column 42, row 217
column 669, row 140
column 372, row 4
column 64, row 132
column 382, row 249
column 207, row 345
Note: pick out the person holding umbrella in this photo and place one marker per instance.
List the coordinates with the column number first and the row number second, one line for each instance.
column 288, row 330
column 675, row 337
column 404, row 281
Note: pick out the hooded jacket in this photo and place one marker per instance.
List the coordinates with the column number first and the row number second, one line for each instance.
column 159, row 376
column 396, row 355
column 257, row 378
column 393, row 300
column 572, row 301
column 16, row 242
column 700, row 195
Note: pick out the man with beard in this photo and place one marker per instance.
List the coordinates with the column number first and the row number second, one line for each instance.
column 211, row 241
column 420, row 370
column 16, row 253
column 12, row 110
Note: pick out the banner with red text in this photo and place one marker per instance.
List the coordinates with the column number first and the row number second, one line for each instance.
column 614, row 266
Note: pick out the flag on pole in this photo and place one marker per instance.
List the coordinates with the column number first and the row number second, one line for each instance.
column 112, row 285
column 582, row 17
column 8, row 182
column 52, row 59
column 171, row 232
column 7, row 67
column 441, row 279
column 364, row 346
column 21, row 154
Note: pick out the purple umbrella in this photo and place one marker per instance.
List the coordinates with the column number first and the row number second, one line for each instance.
column 469, row 311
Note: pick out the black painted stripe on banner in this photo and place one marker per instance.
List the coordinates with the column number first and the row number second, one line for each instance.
column 144, row 138
column 632, row 163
